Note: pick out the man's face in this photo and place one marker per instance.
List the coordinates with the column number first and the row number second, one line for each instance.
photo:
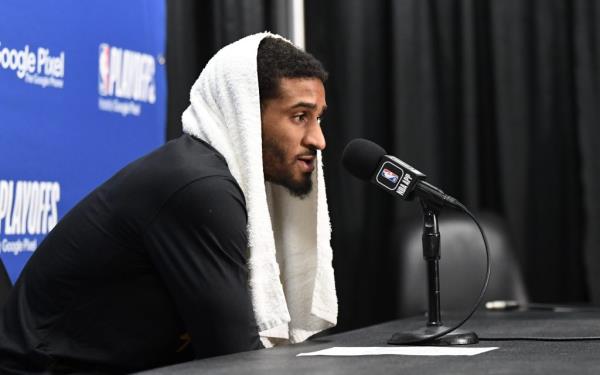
column 291, row 133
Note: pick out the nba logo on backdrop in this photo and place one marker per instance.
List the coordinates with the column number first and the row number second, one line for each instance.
column 126, row 79
column 103, row 69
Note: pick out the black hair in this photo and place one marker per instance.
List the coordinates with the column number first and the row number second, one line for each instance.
column 278, row 59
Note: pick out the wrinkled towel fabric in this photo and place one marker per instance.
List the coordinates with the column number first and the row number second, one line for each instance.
column 291, row 277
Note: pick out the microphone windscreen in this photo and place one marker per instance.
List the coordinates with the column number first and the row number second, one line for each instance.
column 361, row 157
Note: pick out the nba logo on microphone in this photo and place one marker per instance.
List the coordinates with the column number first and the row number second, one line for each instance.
column 389, row 175
column 104, row 69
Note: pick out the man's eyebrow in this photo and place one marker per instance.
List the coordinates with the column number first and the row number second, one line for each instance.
column 304, row 105
column 308, row 105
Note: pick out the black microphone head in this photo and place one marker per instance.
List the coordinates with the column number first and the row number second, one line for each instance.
column 361, row 157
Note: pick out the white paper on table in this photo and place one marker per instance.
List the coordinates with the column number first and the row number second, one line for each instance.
column 399, row 350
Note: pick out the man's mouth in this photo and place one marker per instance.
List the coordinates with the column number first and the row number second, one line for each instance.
column 307, row 163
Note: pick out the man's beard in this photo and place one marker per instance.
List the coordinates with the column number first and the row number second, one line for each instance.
column 277, row 171
column 298, row 189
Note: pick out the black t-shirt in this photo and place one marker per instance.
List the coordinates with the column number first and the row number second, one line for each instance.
column 148, row 270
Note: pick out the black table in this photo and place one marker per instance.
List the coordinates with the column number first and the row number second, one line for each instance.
column 512, row 357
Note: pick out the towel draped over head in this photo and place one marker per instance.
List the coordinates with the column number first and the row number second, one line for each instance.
column 291, row 277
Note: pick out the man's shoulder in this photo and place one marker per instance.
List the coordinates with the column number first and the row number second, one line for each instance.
column 145, row 185
column 186, row 158
column 175, row 165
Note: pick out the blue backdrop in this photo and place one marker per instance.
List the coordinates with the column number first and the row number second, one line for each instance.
column 82, row 93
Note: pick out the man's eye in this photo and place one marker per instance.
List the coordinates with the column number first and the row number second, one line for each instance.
column 300, row 118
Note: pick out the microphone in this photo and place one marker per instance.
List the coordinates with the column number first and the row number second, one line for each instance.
column 368, row 161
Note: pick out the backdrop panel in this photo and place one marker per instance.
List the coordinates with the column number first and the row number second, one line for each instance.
column 82, row 93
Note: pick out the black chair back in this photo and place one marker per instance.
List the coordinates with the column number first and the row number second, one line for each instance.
column 462, row 265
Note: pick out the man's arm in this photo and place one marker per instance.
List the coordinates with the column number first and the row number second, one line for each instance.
column 198, row 244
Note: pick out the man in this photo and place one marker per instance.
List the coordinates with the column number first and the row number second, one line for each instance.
column 215, row 243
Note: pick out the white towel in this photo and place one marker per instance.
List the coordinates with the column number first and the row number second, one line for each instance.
column 291, row 277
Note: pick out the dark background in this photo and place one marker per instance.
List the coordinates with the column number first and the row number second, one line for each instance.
column 497, row 101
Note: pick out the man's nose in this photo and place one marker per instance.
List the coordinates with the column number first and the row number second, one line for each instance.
column 314, row 137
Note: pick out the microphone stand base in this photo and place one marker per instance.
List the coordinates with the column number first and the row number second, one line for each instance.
column 420, row 337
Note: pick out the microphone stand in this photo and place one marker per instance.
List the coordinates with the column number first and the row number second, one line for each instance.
column 431, row 253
